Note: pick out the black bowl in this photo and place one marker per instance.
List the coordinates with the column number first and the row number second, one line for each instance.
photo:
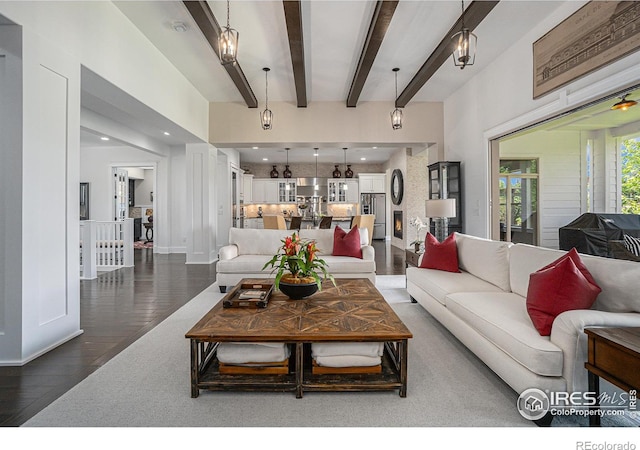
column 298, row 291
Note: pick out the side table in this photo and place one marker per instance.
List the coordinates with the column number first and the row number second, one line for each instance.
column 614, row 355
column 411, row 258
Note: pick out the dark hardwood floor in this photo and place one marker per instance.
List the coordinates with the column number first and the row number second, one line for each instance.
column 115, row 310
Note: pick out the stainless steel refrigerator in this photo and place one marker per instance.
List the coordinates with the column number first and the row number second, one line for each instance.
column 375, row 204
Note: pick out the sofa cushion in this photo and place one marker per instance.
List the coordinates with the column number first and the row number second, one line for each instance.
column 525, row 259
column 440, row 255
column 346, row 244
column 557, row 288
column 439, row 284
column 251, row 264
column 257, row 242
column 502, row 318
column 347, row 264
column 485, row 259
column 244, row 264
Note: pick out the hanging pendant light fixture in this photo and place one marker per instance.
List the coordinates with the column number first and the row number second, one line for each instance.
column 346, row 187
column 287, row 172
column 228, row 43
column 396, row 114
column 624, row 104
column 316, row 186
column 464, row 46
column 266, row 116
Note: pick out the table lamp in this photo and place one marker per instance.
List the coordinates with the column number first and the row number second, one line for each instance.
column 441, row 210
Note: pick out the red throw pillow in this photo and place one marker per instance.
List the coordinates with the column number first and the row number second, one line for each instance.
column 347, row 244
column 440, row 255
column 561, row 286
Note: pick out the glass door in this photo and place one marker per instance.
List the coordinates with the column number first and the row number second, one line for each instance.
column 518, row 192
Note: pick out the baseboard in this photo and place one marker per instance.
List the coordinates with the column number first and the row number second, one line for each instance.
column 41, row 352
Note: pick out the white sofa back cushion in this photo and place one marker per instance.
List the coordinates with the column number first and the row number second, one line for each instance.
column 257, row 242
column 324, row 238
column 619, row 279
column 484, row 258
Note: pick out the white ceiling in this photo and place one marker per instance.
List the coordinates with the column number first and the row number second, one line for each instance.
column 334, row 33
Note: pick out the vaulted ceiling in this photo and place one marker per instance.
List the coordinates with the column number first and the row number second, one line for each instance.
column 330, row 50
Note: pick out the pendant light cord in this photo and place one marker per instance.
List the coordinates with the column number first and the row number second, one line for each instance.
column 228, row 14
column 266, row 88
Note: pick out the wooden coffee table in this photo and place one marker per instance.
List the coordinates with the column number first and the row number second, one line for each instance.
column 354, row 311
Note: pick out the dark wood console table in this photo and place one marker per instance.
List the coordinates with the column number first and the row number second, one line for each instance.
column 614, row 355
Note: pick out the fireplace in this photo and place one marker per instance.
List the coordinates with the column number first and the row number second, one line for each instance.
column 397, row 224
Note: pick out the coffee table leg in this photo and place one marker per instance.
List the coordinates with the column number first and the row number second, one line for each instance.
column 594, row 386
column 299, row 370
column 194, row 369
column 404, row 353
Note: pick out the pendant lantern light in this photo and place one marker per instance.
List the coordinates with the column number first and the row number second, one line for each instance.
column 346, row 187
column 228, row 43
column 287, row 172
column 464, row 46
column 396, row 114
column 266, row 116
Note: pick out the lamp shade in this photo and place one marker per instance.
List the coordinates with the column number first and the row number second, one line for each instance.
column 440, row 208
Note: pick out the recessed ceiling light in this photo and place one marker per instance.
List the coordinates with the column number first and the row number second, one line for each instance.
column 166, row 133
column 104, row 138
column 180, row 27
column 265, row 159
column 374, row 147
column 363, row 159
column 255, row 148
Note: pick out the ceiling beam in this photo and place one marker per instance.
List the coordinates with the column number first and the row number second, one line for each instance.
column 206, row 21
column 293, row 18
column 473, row 15
column 377, row 29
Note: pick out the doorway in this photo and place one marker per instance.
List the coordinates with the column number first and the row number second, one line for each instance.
column 518, row 194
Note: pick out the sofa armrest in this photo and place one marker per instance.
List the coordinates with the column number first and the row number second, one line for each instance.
column 368, row 253
column 228, row 252
column 567, row 333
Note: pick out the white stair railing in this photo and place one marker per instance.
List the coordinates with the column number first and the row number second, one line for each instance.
column 109, row 246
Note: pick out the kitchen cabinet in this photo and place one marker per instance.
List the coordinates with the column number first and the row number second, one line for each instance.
column 287, row 191
column 445, row 181
column 247, row 188
column 372, row 183
column 273, row 190
column 341, row 190
column 265, row 190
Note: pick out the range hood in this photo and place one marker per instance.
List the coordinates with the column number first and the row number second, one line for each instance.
column 305, row 187
column 322, row 182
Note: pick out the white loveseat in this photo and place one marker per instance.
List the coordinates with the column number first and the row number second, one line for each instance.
column 250, row 249
column 484, row 306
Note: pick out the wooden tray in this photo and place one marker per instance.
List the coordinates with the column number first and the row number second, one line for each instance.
column 272, row 368
column 233, row 299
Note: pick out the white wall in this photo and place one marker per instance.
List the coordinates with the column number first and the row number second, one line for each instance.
column 104, row 40
column 96, row 164
column 499, row 99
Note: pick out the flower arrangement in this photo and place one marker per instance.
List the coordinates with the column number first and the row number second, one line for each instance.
column 299, row 259
column 418, row 224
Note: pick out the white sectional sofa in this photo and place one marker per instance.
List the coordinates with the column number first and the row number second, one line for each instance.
column 484, row 306
column 250, row 249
